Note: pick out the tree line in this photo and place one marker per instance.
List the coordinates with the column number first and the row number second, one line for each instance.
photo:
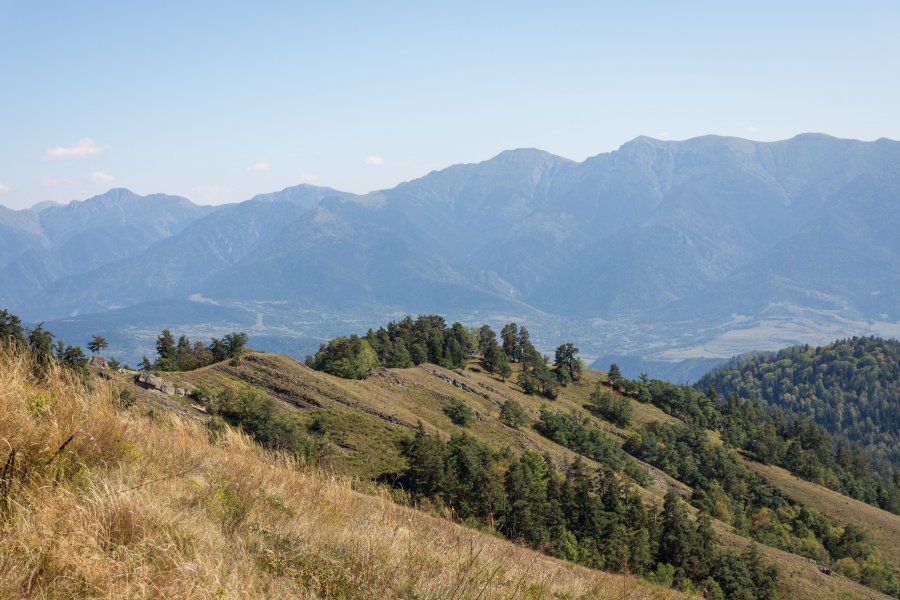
column 185, row 355
column 427, row 338
column 44, row 350
column 726, row 489
column 849, row 387
column 773, row 435
column 596, row 518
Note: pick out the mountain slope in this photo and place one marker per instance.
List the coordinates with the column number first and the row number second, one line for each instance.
column 119, row 505
column 81, row 237
column 180, row 264
column 364, row 421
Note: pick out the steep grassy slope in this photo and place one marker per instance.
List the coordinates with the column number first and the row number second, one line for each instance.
column 364, row 420
column 883, row 527
column 389, row 404
column 97, row 501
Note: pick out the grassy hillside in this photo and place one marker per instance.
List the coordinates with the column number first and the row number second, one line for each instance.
column 363, row 422
column 99, row 501
column 883, row 527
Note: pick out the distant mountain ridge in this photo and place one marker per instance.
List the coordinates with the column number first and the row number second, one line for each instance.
column 50, row 242
column 661, row 250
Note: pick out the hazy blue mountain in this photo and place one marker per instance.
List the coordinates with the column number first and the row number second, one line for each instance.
column 72, row 239
column 179, row 265
column 658, row 253
column 19, row 232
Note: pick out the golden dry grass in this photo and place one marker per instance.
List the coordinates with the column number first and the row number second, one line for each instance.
column 133, row 507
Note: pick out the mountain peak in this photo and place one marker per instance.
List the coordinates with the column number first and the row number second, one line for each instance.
column 526, row 156
column 114, row 195
column 44, row 205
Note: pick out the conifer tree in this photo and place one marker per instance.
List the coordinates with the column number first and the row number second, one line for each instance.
column 97, row 343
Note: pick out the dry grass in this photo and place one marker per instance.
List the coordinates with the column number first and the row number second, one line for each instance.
column 133, row 507
column 367, row 448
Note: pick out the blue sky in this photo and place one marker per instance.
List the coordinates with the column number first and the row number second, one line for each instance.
column 219, row 101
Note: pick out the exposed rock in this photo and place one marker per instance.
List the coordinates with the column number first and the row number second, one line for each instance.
column 180, row 392
column 389, row 377
column 198, row 407
column 156, row 383
column 461, row 385
column 98, row 361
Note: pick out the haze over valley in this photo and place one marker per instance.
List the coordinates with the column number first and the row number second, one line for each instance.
column 665, row 256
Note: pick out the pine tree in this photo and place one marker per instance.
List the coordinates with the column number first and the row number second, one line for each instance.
column 11, row 330
column 510, row 336
column 426, row 455
column 97, row 343
column 486, row 339
column 41, row 343
column 676, row 533
column 568, row 365
column 166, row 351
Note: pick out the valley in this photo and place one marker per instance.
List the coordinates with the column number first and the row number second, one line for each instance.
column 671, row 255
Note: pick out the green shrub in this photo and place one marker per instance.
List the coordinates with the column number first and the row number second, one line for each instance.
column 512, row 414
column 350, row 358
column 459, row 413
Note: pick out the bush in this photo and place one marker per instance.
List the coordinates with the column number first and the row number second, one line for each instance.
column 263, row 420
column 613, row 408
column 350, row 358
column 512, row 414
column 459, row 413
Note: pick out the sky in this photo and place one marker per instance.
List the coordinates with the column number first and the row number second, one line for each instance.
column 220, row 101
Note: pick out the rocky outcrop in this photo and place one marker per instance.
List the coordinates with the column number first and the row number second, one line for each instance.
column 152, row 382
column 461, row 385
column 98, row 361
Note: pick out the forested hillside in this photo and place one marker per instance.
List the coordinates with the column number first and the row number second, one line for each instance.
column 706, row 450
column 851, row 387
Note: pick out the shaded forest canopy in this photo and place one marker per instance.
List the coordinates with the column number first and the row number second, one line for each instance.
column 850, row 387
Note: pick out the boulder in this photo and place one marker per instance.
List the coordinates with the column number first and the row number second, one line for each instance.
column 98, row 361
column 156, row 383
column 180, row 392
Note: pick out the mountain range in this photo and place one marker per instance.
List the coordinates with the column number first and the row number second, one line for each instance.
column 665, row 255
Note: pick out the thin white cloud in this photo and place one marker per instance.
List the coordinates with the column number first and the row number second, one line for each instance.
column 101, row 177
column 4, row 188
column 752, row 129
column 375, row 161
column 309, row 177
column 80, row 149
column 51, row 182
column 260, row 166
